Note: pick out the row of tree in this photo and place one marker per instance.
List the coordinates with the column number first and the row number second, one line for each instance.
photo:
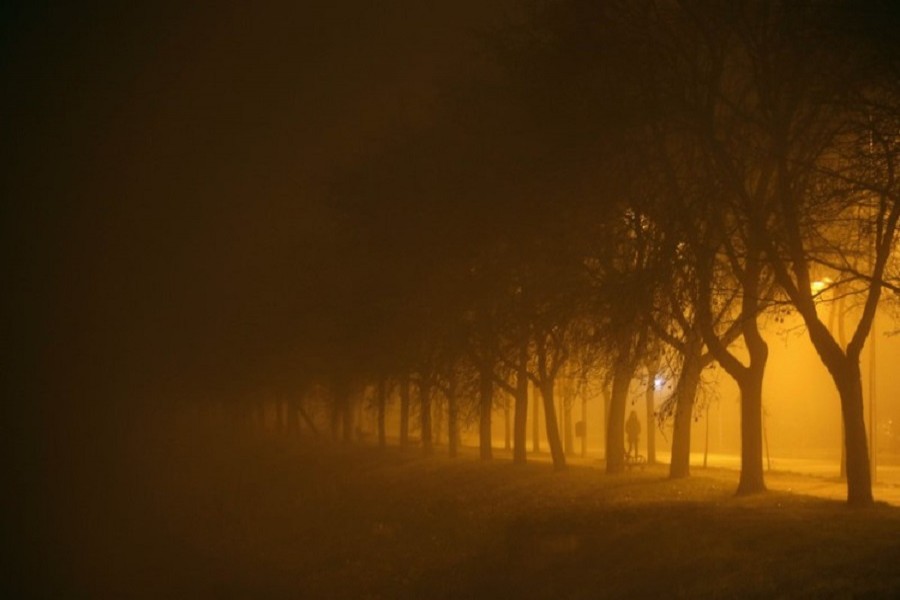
column 624, row 184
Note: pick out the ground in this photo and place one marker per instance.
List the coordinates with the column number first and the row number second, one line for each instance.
column 266, row 518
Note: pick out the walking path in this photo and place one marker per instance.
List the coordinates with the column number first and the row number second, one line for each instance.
column 820, row 478
column 813, row 477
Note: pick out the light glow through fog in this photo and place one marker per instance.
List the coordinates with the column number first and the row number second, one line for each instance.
column 821, row 285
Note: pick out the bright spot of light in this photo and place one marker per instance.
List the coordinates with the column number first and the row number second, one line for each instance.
column 658, row 382
column 819, row 285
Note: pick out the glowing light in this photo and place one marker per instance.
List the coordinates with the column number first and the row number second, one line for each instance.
column 820, row 285
column 658, row 382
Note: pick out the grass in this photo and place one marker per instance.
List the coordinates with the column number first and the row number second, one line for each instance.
column 268, row 520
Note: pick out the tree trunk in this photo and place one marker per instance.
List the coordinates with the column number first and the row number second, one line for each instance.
column 437, row 422
column 486, row 399
column 521, row 416
column 752, row 479
column 452, row 422
column 536, row 423
column 843, row 365
column 553, row 437
column 615, row 425
column 685, row 394
column 382, row 403
column 404, row 412
column 425, row 415
column 507, row 425
column 749, row 378
column 680, row 465
column 859, row 474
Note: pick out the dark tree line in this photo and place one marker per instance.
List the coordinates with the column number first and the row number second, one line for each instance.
column 615, row 183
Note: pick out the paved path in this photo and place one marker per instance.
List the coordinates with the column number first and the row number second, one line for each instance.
column 814, row 477
column 809, row 476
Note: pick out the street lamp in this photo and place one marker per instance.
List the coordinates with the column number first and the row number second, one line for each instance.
column 820, row 285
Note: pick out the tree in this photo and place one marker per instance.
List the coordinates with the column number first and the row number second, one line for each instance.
column 404, row 410
column 518, row 390
column 381, row 397
column 802, row 140
column 622, row 288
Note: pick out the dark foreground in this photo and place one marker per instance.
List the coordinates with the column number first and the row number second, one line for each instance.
column 264, row 519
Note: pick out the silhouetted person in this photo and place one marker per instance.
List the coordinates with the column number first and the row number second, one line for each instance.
column 632, row 432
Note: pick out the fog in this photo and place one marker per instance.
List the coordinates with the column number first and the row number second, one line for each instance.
column 802, row 412
column 296, row 292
